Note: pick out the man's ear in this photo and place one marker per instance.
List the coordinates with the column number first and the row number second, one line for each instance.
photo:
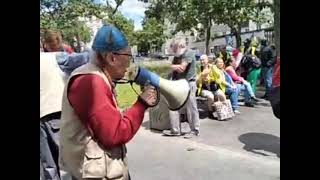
column 111, row 59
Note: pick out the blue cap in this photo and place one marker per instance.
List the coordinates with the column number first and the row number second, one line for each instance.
column 109, row 39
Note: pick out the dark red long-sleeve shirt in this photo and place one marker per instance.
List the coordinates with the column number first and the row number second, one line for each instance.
column 276, row 74
column 93, row 102
column 233, row 74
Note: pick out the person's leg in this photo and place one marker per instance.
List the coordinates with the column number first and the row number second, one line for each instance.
column 253, row 77
column 248, row 93
column 264, row 76
column 210, row 97
column 175, row 123
column 248, row 89
column 233, row 93
column 268, row 80
column 48, row 153
column 192, row 110
column 220, row 95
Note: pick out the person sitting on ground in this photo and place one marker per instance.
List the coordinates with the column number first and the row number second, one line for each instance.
column 206, row 86
column 53, row 43
column 227, row 85
column 242, row 84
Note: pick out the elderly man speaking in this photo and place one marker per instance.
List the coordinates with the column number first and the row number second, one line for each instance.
column 94, row 132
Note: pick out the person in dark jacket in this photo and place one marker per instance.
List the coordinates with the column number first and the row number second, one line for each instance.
column 268, row 59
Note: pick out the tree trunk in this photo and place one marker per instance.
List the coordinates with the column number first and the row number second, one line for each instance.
column 237, row 34
column 277, row 25
column 78, row 42
column 208, row 35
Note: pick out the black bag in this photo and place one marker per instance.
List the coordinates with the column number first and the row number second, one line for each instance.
column 250, row 61
column 214, row 86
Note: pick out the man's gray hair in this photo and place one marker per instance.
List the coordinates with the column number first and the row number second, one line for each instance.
column 94, row 56
column 178, row 47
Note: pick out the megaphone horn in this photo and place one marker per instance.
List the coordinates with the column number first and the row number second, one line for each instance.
column 176, row 92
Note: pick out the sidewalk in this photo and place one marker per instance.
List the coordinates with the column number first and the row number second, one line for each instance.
column 244, row 148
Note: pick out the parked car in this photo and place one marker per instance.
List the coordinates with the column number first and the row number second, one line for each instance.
column 160, row 56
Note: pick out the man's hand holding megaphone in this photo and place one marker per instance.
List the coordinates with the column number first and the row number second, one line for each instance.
column 149, row 96
column 176, row 92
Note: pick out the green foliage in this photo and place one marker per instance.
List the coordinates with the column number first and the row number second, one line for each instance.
column 65, row 16
column 151, row 36
column 123, row 24
column 162, row 69
column 126, row 97
column 189, row 14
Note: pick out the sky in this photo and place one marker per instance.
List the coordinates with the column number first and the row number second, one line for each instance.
column 131, row 9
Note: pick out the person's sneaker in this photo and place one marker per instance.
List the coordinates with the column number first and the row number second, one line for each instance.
column 191, row 134
column 210, row 115
column 264, row 97
column 236, row 112
column 171, row 133
column 256, row 99
column 249, row 104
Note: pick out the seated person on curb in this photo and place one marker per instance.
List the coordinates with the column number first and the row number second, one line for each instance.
column 226, row 84
column 241, row 83
column 207, row 86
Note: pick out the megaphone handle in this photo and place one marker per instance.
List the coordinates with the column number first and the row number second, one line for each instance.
column 158, row 97
column 157, row 100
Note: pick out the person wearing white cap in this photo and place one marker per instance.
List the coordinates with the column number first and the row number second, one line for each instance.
column 207, row 87
column 184, row 67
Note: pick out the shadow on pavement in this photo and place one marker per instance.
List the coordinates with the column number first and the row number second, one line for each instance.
column 253, row 142
column 146, row 125
column 202, row 108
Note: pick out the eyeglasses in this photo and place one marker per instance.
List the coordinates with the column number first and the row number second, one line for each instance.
column 124, row 54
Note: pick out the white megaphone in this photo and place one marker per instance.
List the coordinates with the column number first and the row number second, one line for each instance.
column 176, row 92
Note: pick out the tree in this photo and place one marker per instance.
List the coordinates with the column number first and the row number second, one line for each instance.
column 193, row 15
column 199, row 15
column 235, row 13
column 65, row 16
column 124, row 25
column 151, row 37
column 276, row 4
column 113, row 10
column 78, row 33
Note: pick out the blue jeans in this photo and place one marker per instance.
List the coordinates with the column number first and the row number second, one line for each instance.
column 247, row 89
column 233, row 93
column 267, row 78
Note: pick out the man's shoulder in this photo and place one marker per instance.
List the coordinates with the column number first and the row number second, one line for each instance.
column 189, row 55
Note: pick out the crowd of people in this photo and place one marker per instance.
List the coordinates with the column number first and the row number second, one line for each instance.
column 82, row 131
column 224, row 78
column 233, row 73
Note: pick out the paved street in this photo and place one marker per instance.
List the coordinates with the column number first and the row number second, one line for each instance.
column 244, row 148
